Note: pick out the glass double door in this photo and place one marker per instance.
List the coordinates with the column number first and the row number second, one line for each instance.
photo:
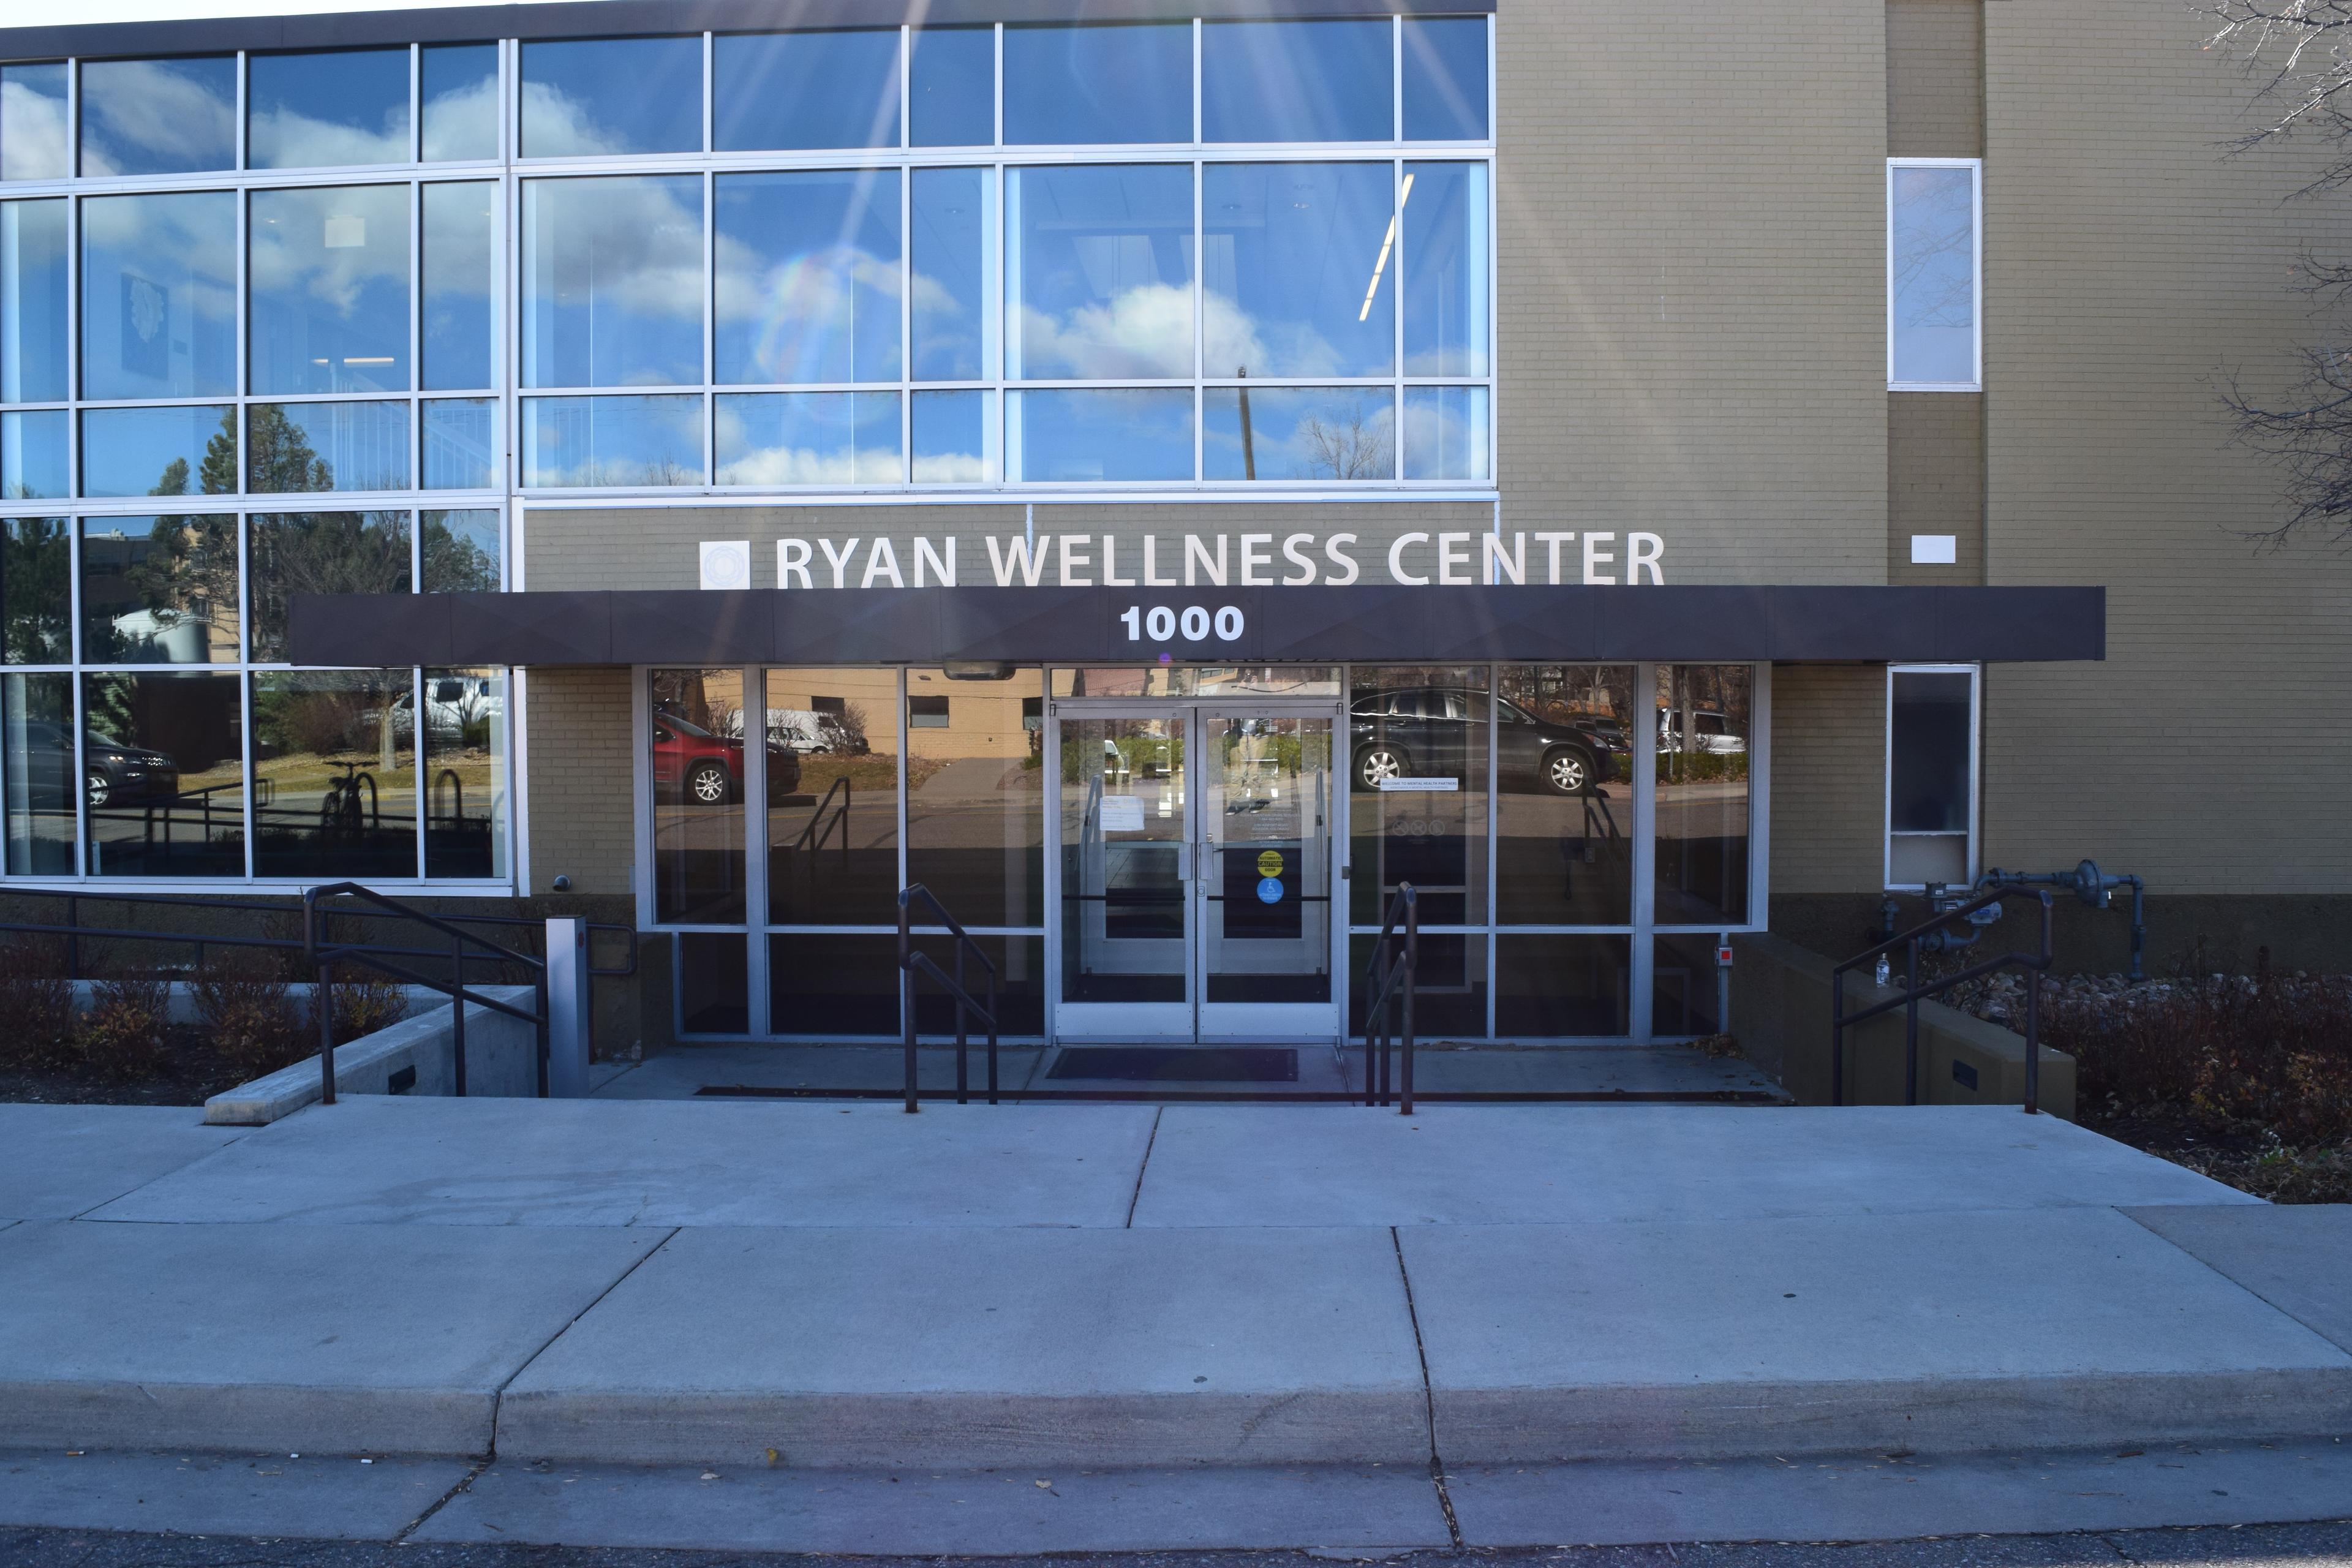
column 1194, row 872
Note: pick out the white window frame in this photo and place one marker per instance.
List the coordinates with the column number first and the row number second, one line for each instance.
column 1976, row 264
column 1889, row 833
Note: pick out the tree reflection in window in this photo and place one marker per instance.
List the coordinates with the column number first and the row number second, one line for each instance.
column 321, row 552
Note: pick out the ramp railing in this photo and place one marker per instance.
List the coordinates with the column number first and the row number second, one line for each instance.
column 1389, row 984
column 1912, row 992
column 913, row 961
column 317, row 948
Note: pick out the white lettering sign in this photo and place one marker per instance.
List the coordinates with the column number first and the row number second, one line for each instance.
column 1198, row 561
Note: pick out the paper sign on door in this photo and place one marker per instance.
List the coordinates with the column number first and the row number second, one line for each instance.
column 1122, row 814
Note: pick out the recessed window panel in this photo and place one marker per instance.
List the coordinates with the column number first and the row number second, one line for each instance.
column 159, row 117
column 33, row 302
column 695, row 748
column 952, row 86
column 831, row 438
column 1447, row 433
column 461, row 449
column 1445, row 78
column 1930, row 775
column 808, row 277
column 612, row 281
column 318, row 553
column 159, row 295
column 458, row 86
column 1020, row 996
column 955, row 443
column 1298, row 82
column 36, row 763
column 159, row 451
column 617, row 441
column 1299, row 433
column 465, row 772
column 954, row 274
column 975, row 794
column 1932, row 275
column 585, row 98
column 833, row 986
column 459, row 272
column 1449, row 989
column 1100, row 272
column 833, row 796
column 294, row 446
column 460, row 552
column 1299, row 267
column 326, row 109
column 1076, row 84
column 714, row 982
column 336, row 767
column 36, row 591
column 1122, row 435
column 1551, row 986
column 33, row 122
column 785, row 91
column 1684, row 998
column 163, row 760
column 1703, row 713
column 159, row 590
column 330, row 289
column 33, row 461
column 1564, row 813
column 1446, row 273
column 1428, row 726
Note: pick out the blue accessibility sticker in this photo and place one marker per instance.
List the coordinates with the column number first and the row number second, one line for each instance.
column 1269, row 890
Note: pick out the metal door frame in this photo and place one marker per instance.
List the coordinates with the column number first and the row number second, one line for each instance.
column 1097, row 1020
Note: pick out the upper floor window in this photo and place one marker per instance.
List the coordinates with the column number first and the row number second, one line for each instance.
column 1935, row 336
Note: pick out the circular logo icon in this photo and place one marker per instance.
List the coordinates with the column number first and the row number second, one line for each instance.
column 725, row 566
column 1269, row 892
column 1269, row 863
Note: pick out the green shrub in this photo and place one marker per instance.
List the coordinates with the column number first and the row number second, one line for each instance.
column 366, row 1002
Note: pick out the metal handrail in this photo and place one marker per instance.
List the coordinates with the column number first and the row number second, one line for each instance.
column 323, row 959
column 1914, row 993
column 911, row 963
column 1384, row 981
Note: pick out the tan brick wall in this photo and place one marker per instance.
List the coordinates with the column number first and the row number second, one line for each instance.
column 1935, row 482
column 1828, row 760
column 577, row 719
column 1935, row 78
column 2131, row 270
column 1690, row 212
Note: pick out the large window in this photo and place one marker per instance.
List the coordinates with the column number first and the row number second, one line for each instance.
column 1935, row 252
column 1931, row 774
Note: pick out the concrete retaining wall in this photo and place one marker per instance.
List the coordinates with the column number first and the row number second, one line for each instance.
column 501, row 1062
column 1780, row 1004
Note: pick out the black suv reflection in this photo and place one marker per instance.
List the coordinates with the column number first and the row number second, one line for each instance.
column 1433, row 731
column 112, row 771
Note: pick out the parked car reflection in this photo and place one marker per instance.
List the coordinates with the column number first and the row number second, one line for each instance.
column 693, row 764
column 113, row 774
column 1438, row 731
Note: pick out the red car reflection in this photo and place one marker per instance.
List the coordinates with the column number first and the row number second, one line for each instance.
column 692, row 764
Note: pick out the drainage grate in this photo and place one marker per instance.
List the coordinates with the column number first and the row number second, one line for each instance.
column 1178, row 1064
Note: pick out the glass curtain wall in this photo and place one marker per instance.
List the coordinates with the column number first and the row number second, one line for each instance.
column 306, row 307
column 1551, row 872
column 1286, row 283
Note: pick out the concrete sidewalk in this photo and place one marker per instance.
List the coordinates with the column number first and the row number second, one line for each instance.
column 802, row 1285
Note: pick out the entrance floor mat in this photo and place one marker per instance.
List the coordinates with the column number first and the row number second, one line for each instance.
column 1178, row 1064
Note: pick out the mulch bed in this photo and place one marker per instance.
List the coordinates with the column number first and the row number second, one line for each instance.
column 190, row 1073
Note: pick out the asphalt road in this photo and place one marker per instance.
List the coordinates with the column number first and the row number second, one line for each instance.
column 2271, row 1546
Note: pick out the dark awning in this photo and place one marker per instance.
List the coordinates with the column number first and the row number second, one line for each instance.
column 1318, row 624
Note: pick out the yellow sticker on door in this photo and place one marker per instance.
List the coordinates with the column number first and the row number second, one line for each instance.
column 1269, row 863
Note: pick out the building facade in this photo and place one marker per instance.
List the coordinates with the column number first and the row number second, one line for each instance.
column 1161, row 477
